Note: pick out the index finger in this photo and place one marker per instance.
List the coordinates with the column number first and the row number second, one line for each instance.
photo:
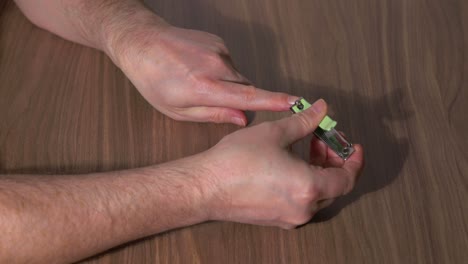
column 246, row 97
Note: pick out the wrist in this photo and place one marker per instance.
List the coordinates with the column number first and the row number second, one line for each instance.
column 129, row 30
column 186, row 185
column 216, row 202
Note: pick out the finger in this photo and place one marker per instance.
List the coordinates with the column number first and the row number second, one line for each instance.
column 318, row 152
column 215, row 115
column 334, row 182
column 332, row 160
column 246, row 97
column 301, row 124
column 355, row 163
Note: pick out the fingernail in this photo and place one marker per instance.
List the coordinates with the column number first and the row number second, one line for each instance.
column 238, row 121
column 318, row 106
column 292, row 99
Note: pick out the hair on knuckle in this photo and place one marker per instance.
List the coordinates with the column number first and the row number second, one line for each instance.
column 249, row 93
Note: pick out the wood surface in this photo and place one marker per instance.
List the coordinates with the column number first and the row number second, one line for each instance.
column 395, row 73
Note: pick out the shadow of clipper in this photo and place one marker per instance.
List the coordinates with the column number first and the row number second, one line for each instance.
column 326, row 132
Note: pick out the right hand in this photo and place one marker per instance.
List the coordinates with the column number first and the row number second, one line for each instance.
column 255, row 179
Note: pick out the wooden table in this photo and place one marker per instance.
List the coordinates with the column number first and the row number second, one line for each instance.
column 395, row 73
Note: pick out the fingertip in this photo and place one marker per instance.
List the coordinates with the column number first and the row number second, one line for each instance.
column 355, row 162
column 239, row 95
column 238, row 121
column 281, row 101
column 291, row 99
column 359, row 152
column 318, row 110
column 238, row 117
column 319, row 106
column 275, row 101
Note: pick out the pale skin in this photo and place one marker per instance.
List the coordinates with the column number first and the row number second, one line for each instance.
column 186, row 75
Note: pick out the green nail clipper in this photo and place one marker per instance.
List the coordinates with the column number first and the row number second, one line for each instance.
column 326, row 132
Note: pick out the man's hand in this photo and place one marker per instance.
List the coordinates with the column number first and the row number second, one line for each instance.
column 188, row 75
column 249, row 177
column 255, row 179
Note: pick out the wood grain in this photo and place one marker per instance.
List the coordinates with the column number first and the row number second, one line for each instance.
column 395, row 73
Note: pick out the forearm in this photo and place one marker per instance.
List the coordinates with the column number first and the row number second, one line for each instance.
column 96, row 23
column 50, row 219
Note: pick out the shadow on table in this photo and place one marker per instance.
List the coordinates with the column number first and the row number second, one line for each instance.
column 364, row 119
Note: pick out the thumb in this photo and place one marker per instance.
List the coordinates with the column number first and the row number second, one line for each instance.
column 302, row 124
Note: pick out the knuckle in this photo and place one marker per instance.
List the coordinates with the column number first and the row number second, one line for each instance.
column 221, row 47
column 202, row 87
column 220, row 40
column 214, row 59
column 203, row 81
column 308, row 193
column 216, row 38
column 216, row 116
column 249, row 93
column 301, row 219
